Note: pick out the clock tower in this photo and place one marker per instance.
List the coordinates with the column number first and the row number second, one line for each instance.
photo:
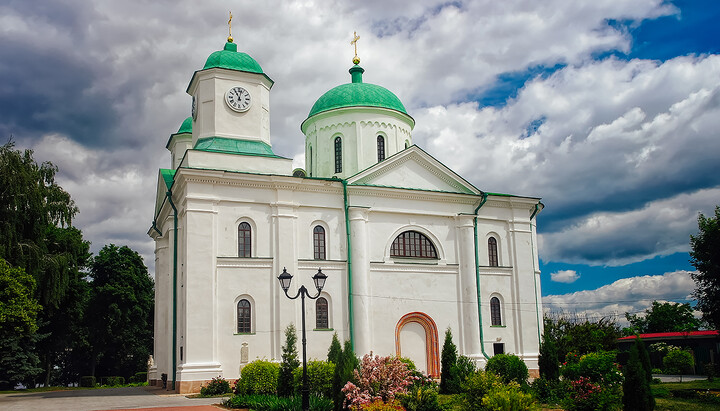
column 230, row 100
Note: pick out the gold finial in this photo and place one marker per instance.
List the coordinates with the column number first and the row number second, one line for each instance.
column 230, row 39
column 356, row 59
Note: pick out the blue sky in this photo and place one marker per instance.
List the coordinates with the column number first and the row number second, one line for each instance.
column 608, row 110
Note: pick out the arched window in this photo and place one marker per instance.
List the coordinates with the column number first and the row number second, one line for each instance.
column 412, row 244
column 244, row 240
column 495, row 317
column 321, row 313
column 338, row 155
column 310, row 162
column 319, row 242
column 492, row 252
column 381, row 148
column 244, row 322
column 407, row 143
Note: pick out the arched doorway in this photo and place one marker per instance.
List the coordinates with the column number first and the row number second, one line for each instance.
column 409, row 335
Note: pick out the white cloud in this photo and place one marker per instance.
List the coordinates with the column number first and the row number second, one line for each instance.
column 564, row 276
column 633, row 295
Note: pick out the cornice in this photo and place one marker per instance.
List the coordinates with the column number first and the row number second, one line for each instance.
column 423, row 268
column 404, row 194
column 238, row 262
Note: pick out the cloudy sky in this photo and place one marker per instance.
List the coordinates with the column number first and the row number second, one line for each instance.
column 609, row 110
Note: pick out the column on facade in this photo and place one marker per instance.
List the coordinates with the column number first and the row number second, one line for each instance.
column 161, row 338
column 285, row 256
column 362, row 302
column 470, row 331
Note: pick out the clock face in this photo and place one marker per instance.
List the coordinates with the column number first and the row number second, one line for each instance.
column 238, row 99
column 194, row 108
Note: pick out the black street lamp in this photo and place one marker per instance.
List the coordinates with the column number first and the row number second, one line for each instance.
column 319, row 279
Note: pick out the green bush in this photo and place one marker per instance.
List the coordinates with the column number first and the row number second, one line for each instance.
column 265, row 402
column 320, row 378
column 678, row 362
column 660, row 392
column 656, row 371
column 597, row 366
column 217, row 386
column 477, row 386
column 586, row 395
column 289, row 363
column 258, row 377
column 508, row 397
column 549, row 391
column 464, row 368
column 138, row 377
column 508, row 367
column 87, row 381
column 421, row 398
column 115, row 381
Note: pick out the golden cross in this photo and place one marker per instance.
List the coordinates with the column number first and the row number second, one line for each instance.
column 230, row 39
column 356, row 59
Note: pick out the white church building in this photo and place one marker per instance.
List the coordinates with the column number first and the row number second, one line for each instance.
column 409, row 247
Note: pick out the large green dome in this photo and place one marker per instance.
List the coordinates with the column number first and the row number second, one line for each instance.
column 185, row 127
column 229, row 58
column 357, row 94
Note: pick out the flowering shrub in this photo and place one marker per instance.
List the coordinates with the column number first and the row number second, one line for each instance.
column 216, row 386
column 379, row 378
column 379, row 405
column 586, row 395
column 600, row 367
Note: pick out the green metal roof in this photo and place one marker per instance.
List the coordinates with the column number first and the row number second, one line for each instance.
column 229, row 58
column 231, row 145
column 357, row 94
column 168, row 176
column 185, row 127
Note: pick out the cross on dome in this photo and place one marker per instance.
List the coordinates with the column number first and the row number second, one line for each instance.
column 230, row 38
column 356, row 59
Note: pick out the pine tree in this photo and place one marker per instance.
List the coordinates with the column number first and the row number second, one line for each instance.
column 347, row 363
column 548, row 362
column 448, row 361
column 289, row 363
column 636, row 388
column 335, row 350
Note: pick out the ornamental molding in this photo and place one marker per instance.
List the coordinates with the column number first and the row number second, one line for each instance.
column 238, row 262
column 336, row 126
column 404, row 194
column 420, row 268
column 325, row 265
column 322, row 187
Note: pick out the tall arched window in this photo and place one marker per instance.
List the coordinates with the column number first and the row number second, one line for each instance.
column 492, row 252
column 338, row 155
column 495, row 317
column 244, row 240
column 381, row 148
column 310, row 173
column 321, row 313
column 412, row 244
column 244, row 319
column 319, row 242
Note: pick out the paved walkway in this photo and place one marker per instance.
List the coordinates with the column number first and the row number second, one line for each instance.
column 126, row 398
column 679, row 378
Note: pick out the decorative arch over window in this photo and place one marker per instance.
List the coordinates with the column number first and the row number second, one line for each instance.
column 319, row 242
column 412, row 244
column 321, row 313
column 492, row 252
column 431, row 339
column 244, row 240
column 381, row 148
column 244, row 316
column 495, row 311
column 338, row 155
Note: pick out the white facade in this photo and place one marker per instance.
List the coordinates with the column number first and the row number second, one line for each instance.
column 390, row 304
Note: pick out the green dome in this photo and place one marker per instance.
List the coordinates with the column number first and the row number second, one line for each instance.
column 357, row 94
column 186, row 126
column 229, row 58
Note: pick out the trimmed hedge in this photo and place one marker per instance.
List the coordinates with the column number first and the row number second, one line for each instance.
column 87, row 381
column 258, row 377
column 508, row 367
column 320, row 376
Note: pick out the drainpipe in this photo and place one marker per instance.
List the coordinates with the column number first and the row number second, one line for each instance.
column 154, row 226
column 539, row 206
column 349, row 266
column 174, row 283
column 477, row 275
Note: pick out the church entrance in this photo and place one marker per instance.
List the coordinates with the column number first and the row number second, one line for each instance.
column 416, row 337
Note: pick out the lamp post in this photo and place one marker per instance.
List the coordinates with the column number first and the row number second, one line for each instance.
column 319, row 279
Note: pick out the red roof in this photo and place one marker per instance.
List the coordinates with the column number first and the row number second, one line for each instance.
column 681, row 334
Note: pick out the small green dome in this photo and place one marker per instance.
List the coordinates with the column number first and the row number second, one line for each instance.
column 357, row 94
column 229, row 58
column 186, row 126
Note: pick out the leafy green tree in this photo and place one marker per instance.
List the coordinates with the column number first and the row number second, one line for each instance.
column 581, row 336
column 448, row 361
column 120, row 314
column 548, row 361
column 664, row 317
column 636, row 387
column 18, row 325
column 289, row 363
column 678, row 361
column 335, row 350
column 705, row 256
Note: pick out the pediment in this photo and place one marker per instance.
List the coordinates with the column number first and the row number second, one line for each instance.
column 414, row 169
column 165, row 181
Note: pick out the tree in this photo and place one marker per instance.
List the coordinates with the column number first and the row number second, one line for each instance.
column 18, row 324
column 636, row 387
column 289, row 363
column 580, row 335
column 705, row 257
column 548, row 361
column 448, row 360
column 343, row 373
column 664, row 317
column 120, row 315
column 335, row 350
